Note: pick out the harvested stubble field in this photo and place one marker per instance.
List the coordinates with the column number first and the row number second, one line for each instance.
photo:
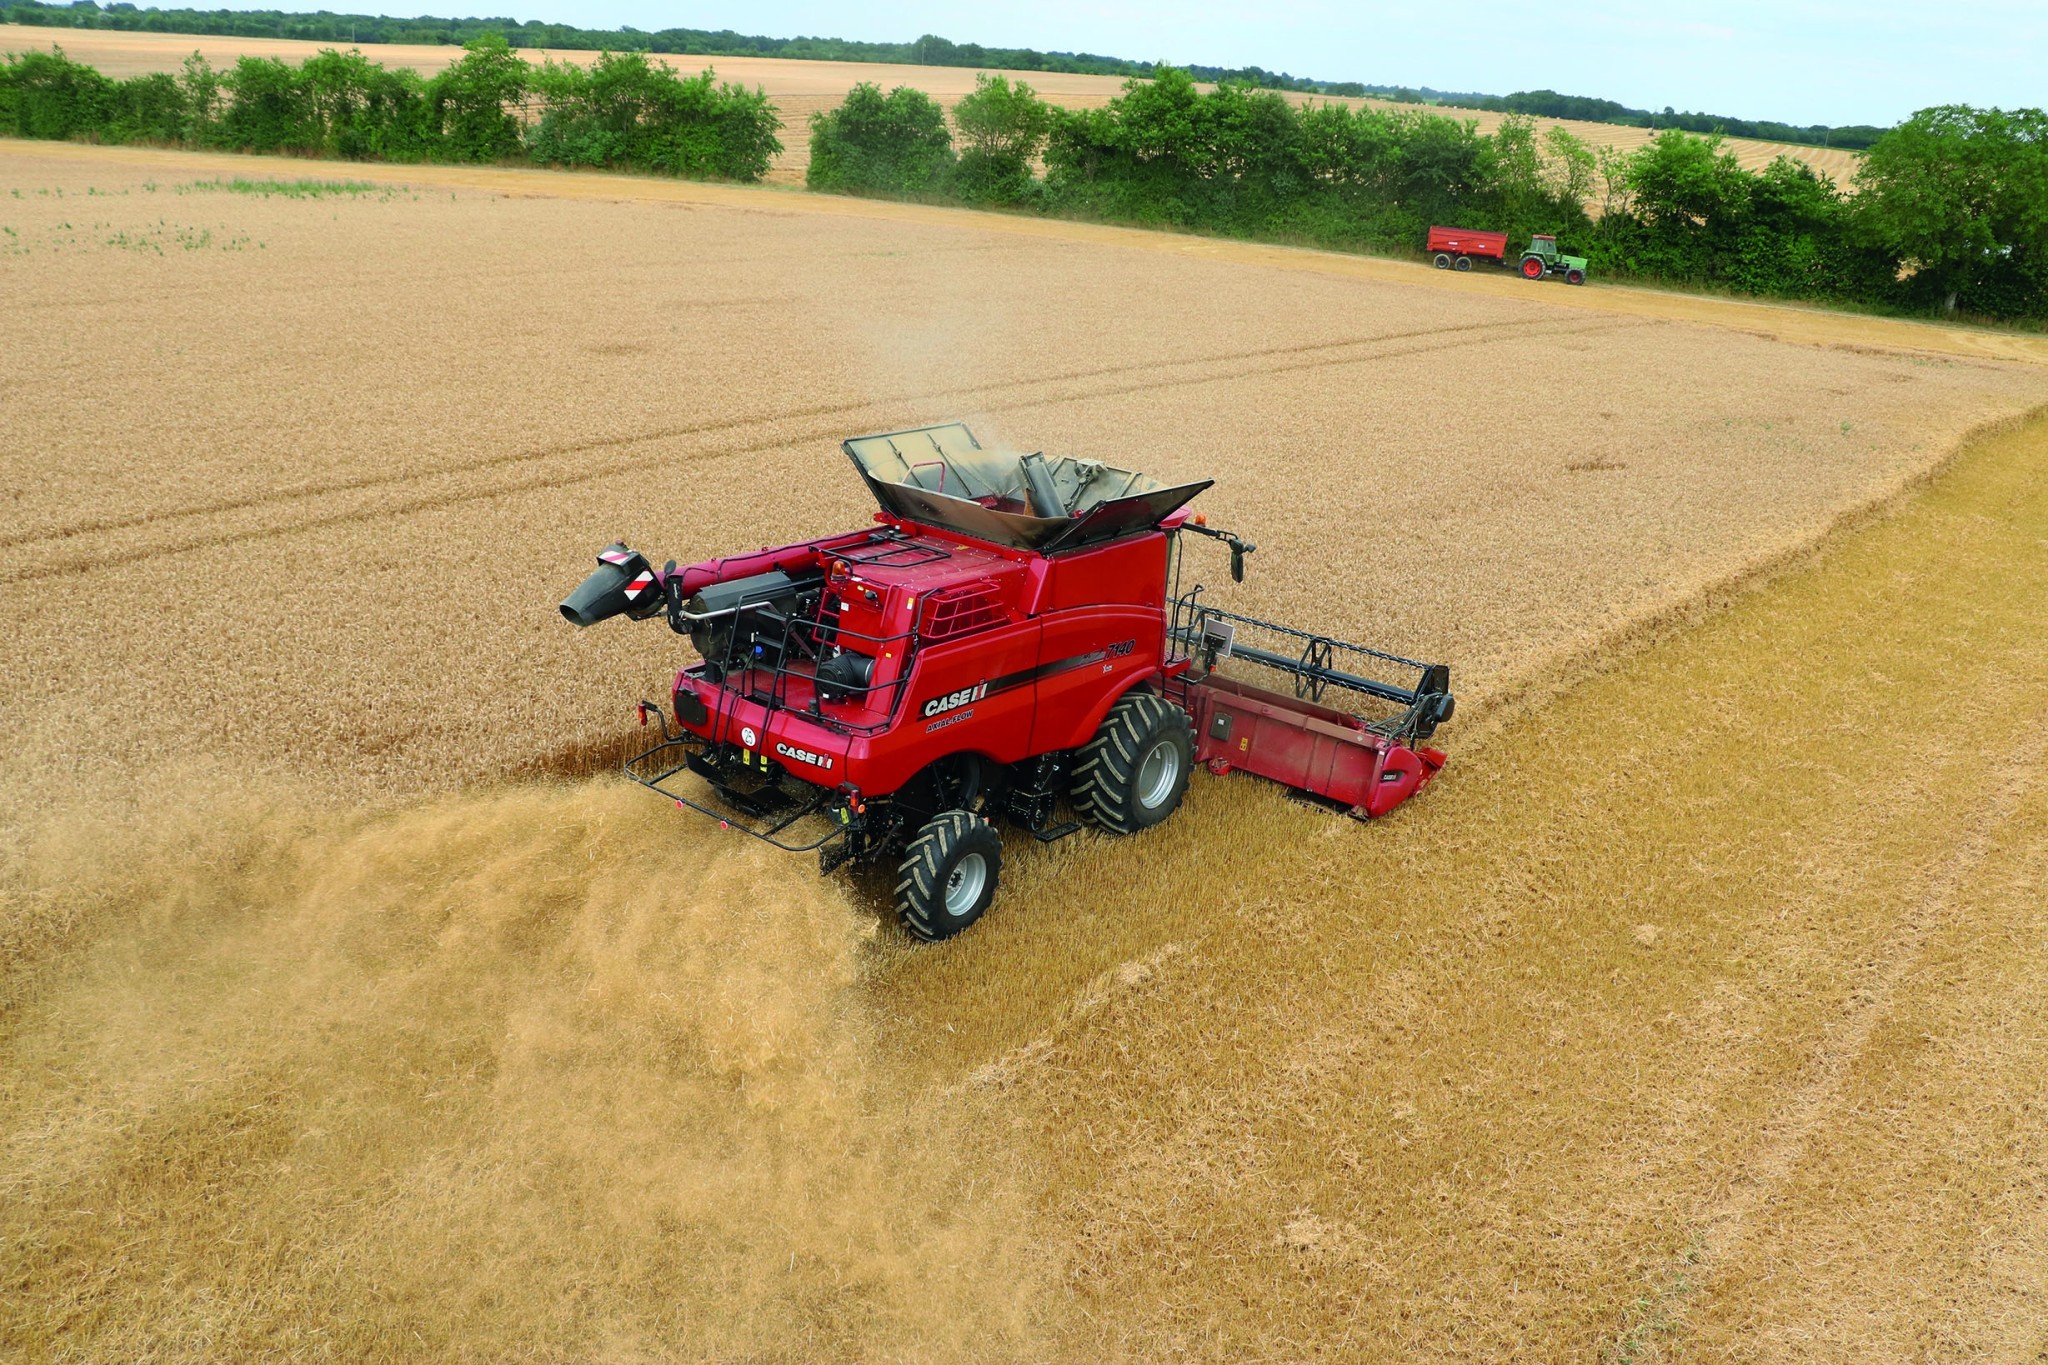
column 1692, row 1011
column 797, row 88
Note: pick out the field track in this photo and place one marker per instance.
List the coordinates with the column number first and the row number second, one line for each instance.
column 39, row 555
column 797, row 88
column 1695, row 1012
column 295, row 508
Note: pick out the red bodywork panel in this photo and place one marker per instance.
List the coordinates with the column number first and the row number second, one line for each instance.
column 1015, row 653
column 1492, row 246
column 1306, row 746
column 1008, row 654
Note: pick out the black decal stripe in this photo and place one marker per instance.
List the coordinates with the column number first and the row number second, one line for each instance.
column 1057, row 666
column 1020, row 678
column 1070, row 664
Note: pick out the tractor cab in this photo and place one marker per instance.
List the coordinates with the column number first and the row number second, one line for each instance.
column 1543, row 258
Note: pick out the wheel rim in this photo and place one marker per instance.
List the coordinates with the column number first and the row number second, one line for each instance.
column 1532, row 268
column 1157, row 774
column 964, row 884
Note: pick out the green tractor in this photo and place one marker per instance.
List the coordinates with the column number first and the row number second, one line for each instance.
column 1543, row 258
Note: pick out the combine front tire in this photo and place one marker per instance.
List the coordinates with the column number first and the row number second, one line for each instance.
column 948, row 875
column 1134, row 772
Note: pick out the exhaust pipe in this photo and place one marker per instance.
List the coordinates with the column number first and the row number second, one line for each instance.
column 624, row 584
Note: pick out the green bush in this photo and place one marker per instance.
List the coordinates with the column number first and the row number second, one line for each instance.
column 1248, row 162
column 876, row 144
column 270, row 109
column 1003, row 127
column 628, row 111
column 1960, row 197
column 47, row 95
column 472, row 99
column 363, row 110
column 148, row 108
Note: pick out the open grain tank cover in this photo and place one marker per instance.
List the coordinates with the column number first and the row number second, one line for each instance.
column 942, row 476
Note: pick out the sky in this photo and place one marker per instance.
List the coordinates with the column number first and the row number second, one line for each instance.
column 1817, row 61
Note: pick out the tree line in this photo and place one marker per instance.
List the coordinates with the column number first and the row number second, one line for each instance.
column 1948, row 211
column 929, row 50
column 626, row 111
column 1585, row 109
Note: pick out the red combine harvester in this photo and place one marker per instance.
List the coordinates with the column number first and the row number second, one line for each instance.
column 1011, row 635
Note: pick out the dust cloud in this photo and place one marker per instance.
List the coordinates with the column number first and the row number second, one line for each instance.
column 537, row 1071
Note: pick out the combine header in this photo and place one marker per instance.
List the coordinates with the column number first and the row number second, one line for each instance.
column 1010, row 637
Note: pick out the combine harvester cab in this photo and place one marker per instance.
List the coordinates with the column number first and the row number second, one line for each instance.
column 1010, row 637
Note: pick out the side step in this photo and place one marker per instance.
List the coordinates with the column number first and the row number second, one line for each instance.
column 1055, row 832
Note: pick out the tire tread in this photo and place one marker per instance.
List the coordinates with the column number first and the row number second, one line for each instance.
column 1103, row 791
column 920, row 891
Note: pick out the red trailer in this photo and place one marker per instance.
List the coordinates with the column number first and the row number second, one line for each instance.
column 1456, row 248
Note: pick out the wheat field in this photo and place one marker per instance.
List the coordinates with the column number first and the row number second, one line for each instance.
column 797, row 88
column 344, row 1017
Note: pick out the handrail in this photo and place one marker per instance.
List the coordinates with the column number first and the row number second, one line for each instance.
column 803, row 639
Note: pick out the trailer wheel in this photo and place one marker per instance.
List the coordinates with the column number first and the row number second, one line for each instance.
column 1134, row 772
column 948, row 875
column 1464, row 263
column 1574, row 277
column 1532, row 267
column 1443, row 262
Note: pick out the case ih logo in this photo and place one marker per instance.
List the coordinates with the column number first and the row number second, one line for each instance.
column 939, row 706
column 804, row 756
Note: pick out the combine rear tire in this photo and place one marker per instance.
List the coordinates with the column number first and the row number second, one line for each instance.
column 1443, row 262
column 948, row 875
column 1134, row 772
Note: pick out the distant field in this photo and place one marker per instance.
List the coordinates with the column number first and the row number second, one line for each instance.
column 1693, row 1012
column 797, row 88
